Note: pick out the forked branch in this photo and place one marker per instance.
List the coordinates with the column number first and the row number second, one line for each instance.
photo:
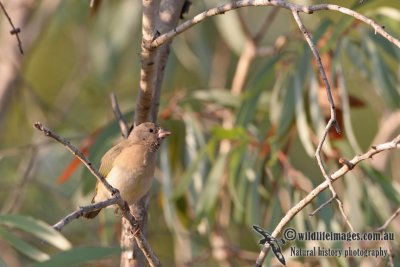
column 278, row 3
column 394, row 144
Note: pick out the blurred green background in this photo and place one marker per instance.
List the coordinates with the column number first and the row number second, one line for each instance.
column 234, row 159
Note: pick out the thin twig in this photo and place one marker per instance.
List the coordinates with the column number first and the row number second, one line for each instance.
column 250, row 51
column 386, row 224
column 83, row 210
column 326, row 203
column 321, row 69
column 118, row 116
column 139, row 237
column 394, row 144
column 266, row 25
column 14, row 31
column 278, row 3
column 332, row 120
column 49, row 133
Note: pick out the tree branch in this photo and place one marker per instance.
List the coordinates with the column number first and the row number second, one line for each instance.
column 278, row 3
column 82, row 210
column 394, row 144
column 148, row 62
column 170, row 11
column 118, row 116
column 386, row 224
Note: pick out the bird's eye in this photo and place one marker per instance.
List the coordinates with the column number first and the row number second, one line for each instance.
column 151, row 130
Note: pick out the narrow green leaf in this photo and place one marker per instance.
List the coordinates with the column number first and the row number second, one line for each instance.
column 223, row 97
column 196, row 156
column 251, row 98
column 23, row 247
column 384, row 182
column 37, row 228
column 253, row 214
column 287, row 111
column 340, row 27
column 356, row 56
column 301, row 118
column 322, row 28
column 382, row 77
column 76, row 256
column 235, row 133
column 346, row 109
column 209, row 195
column 235, row 162
column 188, row 174
column 387, row 46
column 227, row 24
column 316, row 114
column 244, row 179
column 166, row 183
column 389, row 12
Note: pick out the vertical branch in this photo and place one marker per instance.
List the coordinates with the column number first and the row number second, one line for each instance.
column 321, row 69
column 169, row 13
column 148, row 65
column 155, row 19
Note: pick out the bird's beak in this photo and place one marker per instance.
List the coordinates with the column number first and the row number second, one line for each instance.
column 162, row 133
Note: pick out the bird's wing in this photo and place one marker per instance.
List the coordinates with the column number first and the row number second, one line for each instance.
column 108, row 159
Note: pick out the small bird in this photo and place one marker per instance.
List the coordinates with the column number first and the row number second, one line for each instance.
column 129, row 165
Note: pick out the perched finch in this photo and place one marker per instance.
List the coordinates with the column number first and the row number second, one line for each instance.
column 129, row 166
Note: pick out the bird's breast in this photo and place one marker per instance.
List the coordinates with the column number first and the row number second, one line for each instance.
column 132, row 174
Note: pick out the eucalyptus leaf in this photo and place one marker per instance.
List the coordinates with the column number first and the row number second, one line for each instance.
column 78, row 256
column 223, row 97
column 37, row 228
column 381, row 77
column 288, row 109
column 235, row 162
column 212, row 187
column 252, row 96
column 235, row 133
column 340, row 27
column 384, row 182
column 346, row 109
column 187, row 176
column 356, row 55
column 253, row 205
column 23, row 247
column 301, row 118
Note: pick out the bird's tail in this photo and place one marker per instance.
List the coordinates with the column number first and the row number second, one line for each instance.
column 91, row 214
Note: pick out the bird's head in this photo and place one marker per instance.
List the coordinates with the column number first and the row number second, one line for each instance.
column 149, row 133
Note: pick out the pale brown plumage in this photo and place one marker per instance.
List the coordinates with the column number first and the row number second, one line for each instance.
column 129, row 165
